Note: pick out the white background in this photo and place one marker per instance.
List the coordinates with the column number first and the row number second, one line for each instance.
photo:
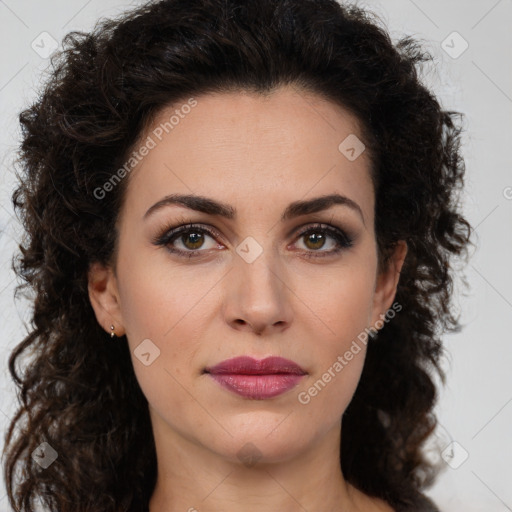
column 475, row 409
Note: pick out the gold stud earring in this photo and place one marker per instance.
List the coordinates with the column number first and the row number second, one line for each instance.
column 112, row 333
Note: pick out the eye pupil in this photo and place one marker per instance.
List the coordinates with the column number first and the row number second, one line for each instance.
column 196, row 237
column 315, row 237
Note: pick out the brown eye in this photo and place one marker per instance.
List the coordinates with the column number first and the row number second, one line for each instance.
column 192, row 239
column 195, row 238
column 315, row 238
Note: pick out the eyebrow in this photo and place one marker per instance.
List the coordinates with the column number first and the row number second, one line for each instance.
column 213, row 207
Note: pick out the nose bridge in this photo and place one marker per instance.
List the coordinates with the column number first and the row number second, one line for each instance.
column 260, row 286
column 258, row 265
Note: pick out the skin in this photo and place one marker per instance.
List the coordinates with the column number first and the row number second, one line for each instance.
column 257, row 154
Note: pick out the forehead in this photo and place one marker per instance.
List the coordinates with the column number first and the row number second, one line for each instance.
column 252, row 149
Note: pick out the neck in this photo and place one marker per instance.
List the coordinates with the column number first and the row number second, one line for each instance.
column 193, row 478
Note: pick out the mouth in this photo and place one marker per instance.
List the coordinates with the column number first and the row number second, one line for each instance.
column 257, row 379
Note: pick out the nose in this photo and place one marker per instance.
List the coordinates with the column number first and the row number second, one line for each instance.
column 258, row 296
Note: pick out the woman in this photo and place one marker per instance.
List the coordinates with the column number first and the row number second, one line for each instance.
column 241, row 220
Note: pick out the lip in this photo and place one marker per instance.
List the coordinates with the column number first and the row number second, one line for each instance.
column 257, row 379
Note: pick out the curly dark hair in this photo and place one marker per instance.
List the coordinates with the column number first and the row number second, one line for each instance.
column 79, row 393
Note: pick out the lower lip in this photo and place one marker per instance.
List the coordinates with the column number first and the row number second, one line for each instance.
column 257, row 387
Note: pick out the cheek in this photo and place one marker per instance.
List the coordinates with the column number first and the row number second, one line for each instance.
column 337, row 315
column 159, row 307
column 340, row 303
column 157, row 298
column 338, row 364
column 159, row 321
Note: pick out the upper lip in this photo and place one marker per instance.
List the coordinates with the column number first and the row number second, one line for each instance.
column 246, row 365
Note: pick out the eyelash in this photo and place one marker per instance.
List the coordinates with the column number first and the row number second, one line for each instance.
column 170, row 234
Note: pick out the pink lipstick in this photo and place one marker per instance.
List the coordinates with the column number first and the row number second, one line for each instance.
column 257, row 379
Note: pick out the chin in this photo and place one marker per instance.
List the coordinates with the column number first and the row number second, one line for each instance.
column 255, row 445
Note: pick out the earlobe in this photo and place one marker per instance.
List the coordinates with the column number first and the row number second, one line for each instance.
column 387, row 281
column 104, row 298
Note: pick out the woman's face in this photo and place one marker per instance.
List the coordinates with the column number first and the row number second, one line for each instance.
column 246, row 280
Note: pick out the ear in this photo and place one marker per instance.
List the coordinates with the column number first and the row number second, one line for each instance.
column 387, row 281
column 104, row 297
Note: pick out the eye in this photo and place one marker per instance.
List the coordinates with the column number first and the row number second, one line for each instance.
column 192, row 237
column 315, row 238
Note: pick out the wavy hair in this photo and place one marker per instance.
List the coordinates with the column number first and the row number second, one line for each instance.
column 78, row 392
